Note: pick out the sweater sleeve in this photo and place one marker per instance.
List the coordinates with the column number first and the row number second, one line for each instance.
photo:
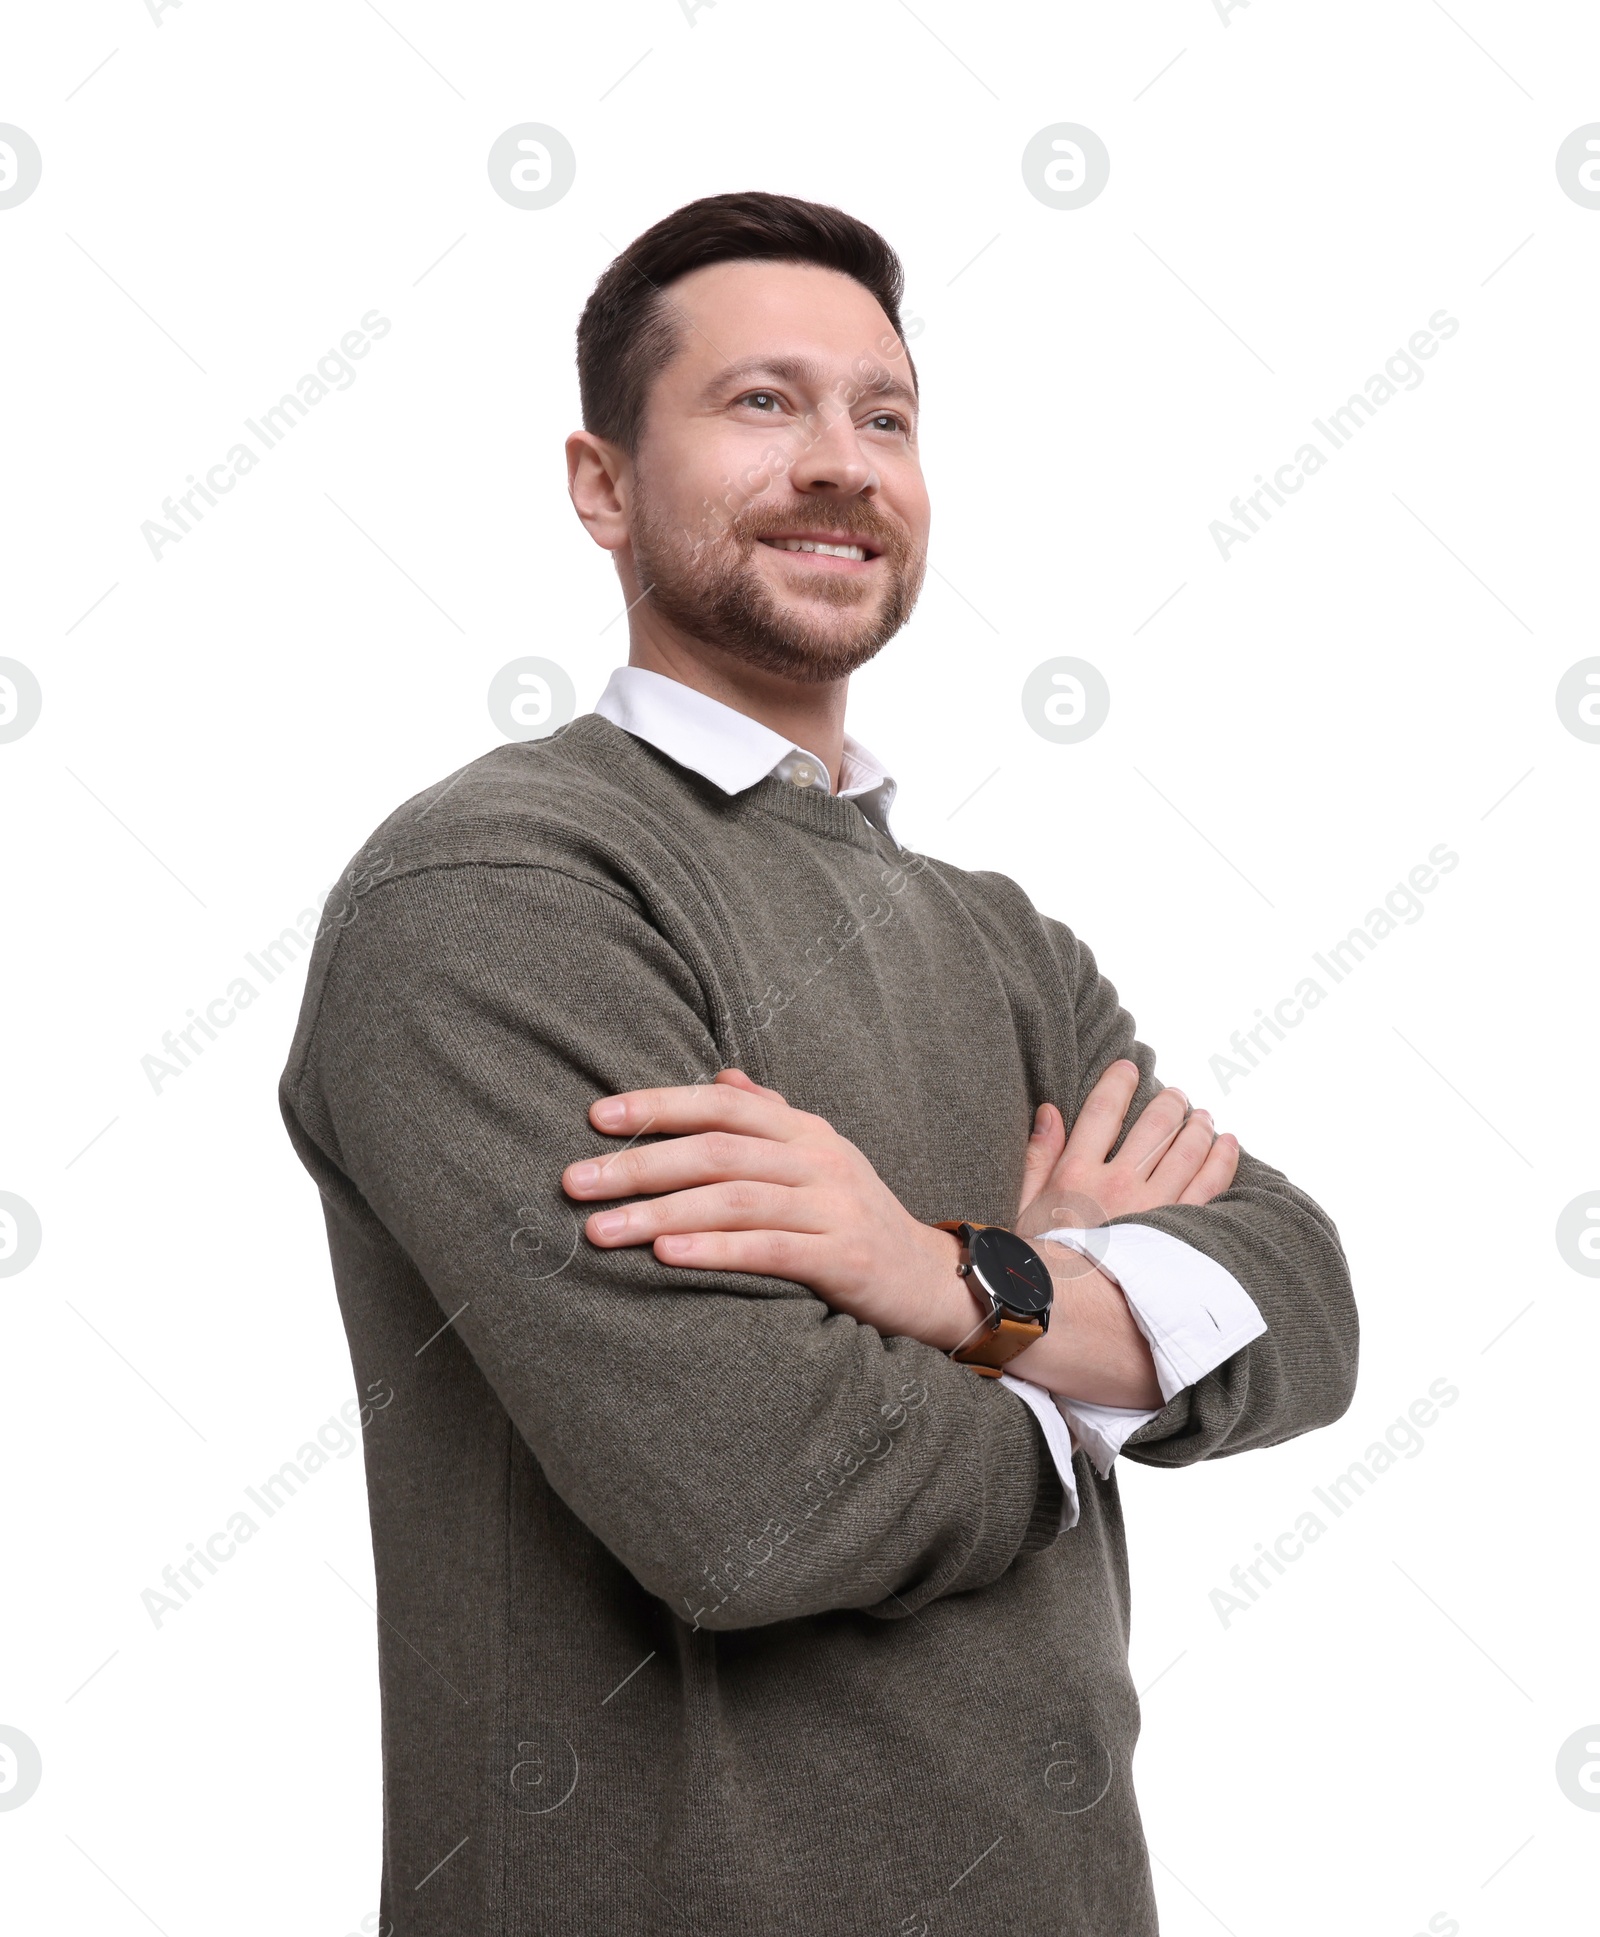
column 1280, row 1246
column 747, row 1454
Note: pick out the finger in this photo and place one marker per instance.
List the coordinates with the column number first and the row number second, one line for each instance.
column 736, row 1079
column 1045, row 1145
column 741, row 1206
column 1154, row 1131
column 1183, row 1157
column 1099, row 1122
column 699, row 1106
column 1216, row 1174
column 716, row 1157
column 774, row 1254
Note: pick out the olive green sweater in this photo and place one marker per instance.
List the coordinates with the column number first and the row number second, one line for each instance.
column 702, row 1608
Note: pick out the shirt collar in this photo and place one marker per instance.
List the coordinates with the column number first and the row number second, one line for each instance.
column 729, row 748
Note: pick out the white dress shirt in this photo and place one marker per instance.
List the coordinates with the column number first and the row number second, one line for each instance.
column 1193, row 1312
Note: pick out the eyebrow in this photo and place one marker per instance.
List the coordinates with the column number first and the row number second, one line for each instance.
column 878, row 382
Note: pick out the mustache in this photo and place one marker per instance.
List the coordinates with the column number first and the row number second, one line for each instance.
column 855, row 517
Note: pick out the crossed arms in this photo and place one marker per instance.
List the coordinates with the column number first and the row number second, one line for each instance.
column 746, row 1183
column 457, row 1035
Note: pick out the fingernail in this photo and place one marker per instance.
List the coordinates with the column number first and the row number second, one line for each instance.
column 609, row 1223
column 675, row 1247
column 582, row 1176
column 610, row 1112
column 1039, row 1120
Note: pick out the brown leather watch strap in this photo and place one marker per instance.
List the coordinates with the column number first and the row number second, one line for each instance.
column 990, row 1354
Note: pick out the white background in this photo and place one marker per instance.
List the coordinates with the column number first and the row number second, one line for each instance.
column 1373, row 1742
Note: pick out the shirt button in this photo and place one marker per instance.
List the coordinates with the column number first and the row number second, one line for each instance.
column 803, row 774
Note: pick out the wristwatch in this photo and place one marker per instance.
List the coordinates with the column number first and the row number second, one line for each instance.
column 1014, row 1290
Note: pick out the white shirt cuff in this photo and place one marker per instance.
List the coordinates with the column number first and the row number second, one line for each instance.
column 1193, row 1313
column 1058, row 1437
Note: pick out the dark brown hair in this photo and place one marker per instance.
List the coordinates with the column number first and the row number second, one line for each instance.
column 628, row 333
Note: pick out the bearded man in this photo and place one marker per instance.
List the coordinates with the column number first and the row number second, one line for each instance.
column 772, row 1237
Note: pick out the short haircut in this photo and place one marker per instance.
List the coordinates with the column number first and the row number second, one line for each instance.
column 628, row 332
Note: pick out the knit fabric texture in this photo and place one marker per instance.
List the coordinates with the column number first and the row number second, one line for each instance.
column 703, row 1608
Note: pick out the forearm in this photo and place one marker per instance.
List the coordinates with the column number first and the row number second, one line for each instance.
column 1299, row 1374
column 685, row 1415
column 1093, row 1350
column 1279, row 1246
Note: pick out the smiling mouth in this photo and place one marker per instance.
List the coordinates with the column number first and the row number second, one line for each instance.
column 847, row 553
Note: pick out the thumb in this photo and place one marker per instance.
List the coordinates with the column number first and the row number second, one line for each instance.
column 1045, row 1146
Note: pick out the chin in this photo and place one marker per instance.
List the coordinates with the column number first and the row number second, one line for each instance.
column 811, row 661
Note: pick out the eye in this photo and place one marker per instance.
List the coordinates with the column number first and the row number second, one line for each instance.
column 888, row 420
column 764, row 400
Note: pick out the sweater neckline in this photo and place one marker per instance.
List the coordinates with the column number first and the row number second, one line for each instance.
column 820, row 813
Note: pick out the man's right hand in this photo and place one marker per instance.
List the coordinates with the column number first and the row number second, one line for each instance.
column 1172, row 1155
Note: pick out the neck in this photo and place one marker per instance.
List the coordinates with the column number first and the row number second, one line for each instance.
column 812, row 716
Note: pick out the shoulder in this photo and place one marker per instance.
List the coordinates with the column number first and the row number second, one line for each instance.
column 576, row 804
column 504, row 884
column 990, row 897
column 1017, row 930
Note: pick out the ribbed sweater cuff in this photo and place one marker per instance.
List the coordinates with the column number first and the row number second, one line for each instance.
column 1044, row 1523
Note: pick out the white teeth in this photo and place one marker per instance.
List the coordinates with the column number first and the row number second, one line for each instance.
column 828, row 551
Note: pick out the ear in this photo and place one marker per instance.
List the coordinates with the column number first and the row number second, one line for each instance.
column 599, row 482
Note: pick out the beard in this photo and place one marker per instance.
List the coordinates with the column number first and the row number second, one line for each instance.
column 707, row 585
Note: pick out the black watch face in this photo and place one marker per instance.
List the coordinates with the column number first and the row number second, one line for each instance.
column 1013, row 1271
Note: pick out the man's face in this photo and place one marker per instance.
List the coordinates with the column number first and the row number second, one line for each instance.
column 786, row 418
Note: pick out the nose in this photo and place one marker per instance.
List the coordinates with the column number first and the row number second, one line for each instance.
column 832, row 461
